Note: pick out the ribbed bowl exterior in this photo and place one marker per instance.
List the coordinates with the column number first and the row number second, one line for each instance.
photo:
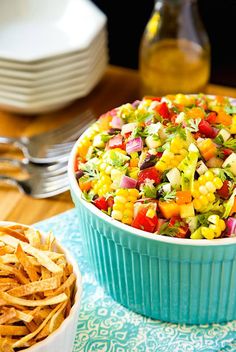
column 165, row 281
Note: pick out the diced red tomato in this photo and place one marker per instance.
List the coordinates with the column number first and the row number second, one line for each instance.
column 206, row 129
column 116, row 142
column 224, row 192
column 163, row 110
column 211, row 117
column 101, row 203
column 227, row 152
column 143, row 222
column 150, row 173
column 183, row 229
column 110, row 202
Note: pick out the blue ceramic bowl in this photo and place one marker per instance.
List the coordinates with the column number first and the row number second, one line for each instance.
column 171, row 279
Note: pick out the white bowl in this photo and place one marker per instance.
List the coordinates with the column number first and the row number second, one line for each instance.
column 59, row 60
column 33, row 30
column 78, row 79
column 58, row 101
column 62, row 339
column 78, row 62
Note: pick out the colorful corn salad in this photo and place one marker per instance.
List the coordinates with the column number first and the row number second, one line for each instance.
column 164, row 165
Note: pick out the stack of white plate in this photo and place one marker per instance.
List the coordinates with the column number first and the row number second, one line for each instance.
column 51, row 53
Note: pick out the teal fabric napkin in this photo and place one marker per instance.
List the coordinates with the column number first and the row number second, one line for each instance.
column 106, row 326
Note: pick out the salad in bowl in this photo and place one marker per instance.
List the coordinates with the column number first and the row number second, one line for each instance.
column 164, row 165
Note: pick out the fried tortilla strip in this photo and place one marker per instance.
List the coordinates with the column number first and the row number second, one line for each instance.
column 5, row 345
column 7, row 280
column 69, row 282
column 34, row 237
column 31, row 326
column 17, row 273
column 24, row 316
column 34, row 287
column 19, row 228
column 13, row 330
column 40, row 255
column 8, row 258
column 43, row 313
column 8, row 314
column 57, row 318
column 25, row 262
column 50, row 240
column 13, row 233
column 7, row 286
column 6, row 250
column 26, row 338
column 8, row 299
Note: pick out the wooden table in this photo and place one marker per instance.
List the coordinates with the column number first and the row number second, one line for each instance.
column 118, row 86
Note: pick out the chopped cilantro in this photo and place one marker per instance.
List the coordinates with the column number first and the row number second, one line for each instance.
column 177, row 130
column 167, row 230
column 193, row 124
column 230, row 143
column 139, row 132
column 166, row 196
column 149, row 191
column 143, row 116
column 88, row 196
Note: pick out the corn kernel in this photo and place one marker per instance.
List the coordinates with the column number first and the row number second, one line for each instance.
column 197, row 204
column 210, row 186
column 121, row 199
column 202, row 180
column 122, row 192
column 127, row 221
column 203, row 190
column 133, row 192
column 118, row 206
column 218, row 183
column 222, row 224
column 130, row 204
column 216, row 230
column 208, row 233
column 209, row 175
column 116, row 214
column 211, row 197
column 203, row 200
column 128, row 213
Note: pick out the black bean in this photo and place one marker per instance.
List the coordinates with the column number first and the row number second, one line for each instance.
column 79, row 174
column 113, row 131
column 149, row 161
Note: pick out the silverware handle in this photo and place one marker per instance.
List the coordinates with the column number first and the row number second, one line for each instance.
column 14, row 162
column 9, row 180
column 17, row 142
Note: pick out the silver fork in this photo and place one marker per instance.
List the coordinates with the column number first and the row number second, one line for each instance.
column 40, row 187
column 46, row 170
column 47, row 147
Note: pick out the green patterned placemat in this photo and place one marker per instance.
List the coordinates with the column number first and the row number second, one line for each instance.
column 106, row 326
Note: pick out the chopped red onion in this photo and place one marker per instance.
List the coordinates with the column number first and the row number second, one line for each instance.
column 128, row 182
column 116, row 122
column 134, row 145
column 231, row 227
column 136, row 103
